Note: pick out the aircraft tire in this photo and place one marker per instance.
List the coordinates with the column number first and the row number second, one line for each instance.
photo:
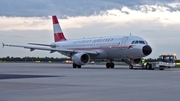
column 112, row 65
column 130, row 66
column 79, row 66
column 74, row 65
column 108, row 65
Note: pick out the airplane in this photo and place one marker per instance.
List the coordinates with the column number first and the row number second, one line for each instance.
column 131, row 49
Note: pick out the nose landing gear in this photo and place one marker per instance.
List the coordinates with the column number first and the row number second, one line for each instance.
column 110, row 64
column 131, row 67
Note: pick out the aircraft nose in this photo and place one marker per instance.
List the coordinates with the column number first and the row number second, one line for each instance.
column 147, row 50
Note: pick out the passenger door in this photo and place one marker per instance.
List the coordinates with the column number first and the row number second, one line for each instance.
column 123, row 43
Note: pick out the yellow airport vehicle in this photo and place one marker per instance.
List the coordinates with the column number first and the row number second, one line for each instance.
column 164, row 61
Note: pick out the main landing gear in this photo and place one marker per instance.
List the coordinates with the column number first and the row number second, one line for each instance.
column 131, row 67
column 76, row 66
column 110, row 64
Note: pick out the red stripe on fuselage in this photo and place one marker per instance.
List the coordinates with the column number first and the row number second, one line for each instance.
column 95, row 48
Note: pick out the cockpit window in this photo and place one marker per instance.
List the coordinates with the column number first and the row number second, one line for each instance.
column 136, row 42
column 141, row 42
column 133, row 42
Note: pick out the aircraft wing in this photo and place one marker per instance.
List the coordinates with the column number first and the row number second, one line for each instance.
column 52, row 50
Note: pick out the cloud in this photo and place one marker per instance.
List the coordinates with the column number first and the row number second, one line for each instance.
column 65, row 8
column 30, row 21
column 162, row 16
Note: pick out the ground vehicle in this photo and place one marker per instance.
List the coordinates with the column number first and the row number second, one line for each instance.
column 164, row 61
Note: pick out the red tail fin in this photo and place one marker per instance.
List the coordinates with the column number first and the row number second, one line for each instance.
column 58, row 34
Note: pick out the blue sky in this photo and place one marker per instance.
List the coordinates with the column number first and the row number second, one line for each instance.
column 24, row 21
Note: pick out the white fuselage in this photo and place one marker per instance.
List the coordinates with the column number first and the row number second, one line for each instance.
column 107, row 47
column 128, row 48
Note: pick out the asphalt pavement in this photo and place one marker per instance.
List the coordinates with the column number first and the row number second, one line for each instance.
column 61, row 82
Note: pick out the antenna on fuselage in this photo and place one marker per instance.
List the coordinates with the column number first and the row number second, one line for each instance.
column 130, row 34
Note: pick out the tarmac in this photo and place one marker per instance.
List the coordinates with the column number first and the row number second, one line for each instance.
column 61, row 82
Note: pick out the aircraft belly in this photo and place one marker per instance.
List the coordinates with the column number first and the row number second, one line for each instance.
column 123, row 53
column 114, row 53
column 137, row 53
column 133, row 53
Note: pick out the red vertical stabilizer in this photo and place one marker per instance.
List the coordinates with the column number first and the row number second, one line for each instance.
column 58, row 34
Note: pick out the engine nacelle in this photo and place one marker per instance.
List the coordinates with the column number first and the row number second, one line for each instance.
column 80, row 58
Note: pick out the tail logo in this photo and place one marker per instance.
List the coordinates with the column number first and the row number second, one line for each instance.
column 58, row 34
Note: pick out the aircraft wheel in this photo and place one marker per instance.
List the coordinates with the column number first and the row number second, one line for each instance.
column 79, row 66
column 108, row 65
column 130, row 66
column 74, row 65
column 112, row 65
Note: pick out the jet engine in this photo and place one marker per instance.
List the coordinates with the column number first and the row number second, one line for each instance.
column 80, row 58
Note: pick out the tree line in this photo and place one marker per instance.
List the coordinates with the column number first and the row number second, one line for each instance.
column 52, row 59
column 32, row 59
